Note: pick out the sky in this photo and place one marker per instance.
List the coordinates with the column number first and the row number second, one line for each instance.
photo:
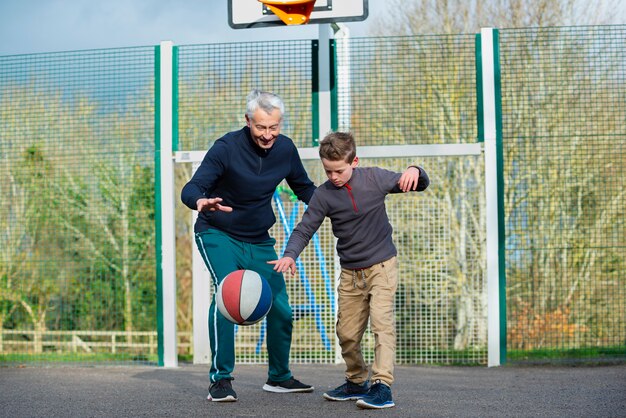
column 33, row 26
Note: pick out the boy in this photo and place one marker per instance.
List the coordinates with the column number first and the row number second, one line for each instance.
column 354, row 200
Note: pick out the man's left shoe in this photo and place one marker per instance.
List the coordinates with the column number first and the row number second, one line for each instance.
column 286, row 386
column 378, row 397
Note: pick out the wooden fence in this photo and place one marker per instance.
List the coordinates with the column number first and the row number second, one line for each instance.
column 113, row 342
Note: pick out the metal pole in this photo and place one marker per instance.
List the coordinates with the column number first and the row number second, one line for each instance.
column 491, row 191
column 166, row 169
column 324, row 69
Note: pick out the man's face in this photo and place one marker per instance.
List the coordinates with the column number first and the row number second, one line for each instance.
column 264, row 127
column 339, row 172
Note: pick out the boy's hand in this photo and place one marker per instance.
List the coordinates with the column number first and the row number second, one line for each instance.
column 284, row 264
column 408, row 180
column 213, row 204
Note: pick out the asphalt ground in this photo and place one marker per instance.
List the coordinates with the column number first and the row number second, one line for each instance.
column 507, row 391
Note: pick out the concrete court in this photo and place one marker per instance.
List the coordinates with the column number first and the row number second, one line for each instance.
column 133, row 391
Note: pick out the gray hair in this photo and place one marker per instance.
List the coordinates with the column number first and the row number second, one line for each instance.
column 264, row 100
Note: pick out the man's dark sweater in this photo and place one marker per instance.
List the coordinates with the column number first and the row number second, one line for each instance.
column 245, row 177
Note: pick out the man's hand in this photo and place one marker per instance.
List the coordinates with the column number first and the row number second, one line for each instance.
column 211, row 205
column 408, row 180
column 284, row 264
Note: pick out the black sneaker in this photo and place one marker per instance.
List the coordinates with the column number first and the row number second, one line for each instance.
column 222, row 391
column 286, row 386
column 347, row 392
column 378, row 397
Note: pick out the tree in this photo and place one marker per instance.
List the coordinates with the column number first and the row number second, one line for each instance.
column 414, row 17
column 110, row 212
column 556, row 214
column 78, row 212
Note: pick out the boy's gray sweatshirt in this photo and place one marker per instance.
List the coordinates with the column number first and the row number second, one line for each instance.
column 358, row 217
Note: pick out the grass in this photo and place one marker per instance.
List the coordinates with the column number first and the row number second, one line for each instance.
column 589, row 355
column 77, row 358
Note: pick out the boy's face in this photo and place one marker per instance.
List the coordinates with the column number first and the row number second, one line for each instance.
column 339, row 172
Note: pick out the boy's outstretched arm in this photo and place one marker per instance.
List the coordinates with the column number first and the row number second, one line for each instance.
column 409, row 179
column 414, row 178
column 284, row 264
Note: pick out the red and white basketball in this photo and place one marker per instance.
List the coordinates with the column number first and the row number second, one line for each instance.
column 244, row 297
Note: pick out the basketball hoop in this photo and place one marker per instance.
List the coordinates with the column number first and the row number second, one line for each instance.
column 294, row 12
column 246, row 14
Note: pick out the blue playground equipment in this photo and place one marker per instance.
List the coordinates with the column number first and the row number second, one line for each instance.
column 312, row 308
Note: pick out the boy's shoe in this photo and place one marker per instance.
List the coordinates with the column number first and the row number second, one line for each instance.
column 378, row 397
column 222, row 391
column 347, row 392
column 286, row 386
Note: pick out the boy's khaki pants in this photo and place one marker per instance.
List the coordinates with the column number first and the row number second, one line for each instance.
column 368, row 294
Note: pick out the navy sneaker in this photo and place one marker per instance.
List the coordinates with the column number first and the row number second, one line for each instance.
column 286, row 386
column 222, row 391
column 378, row 397
column 347, row 392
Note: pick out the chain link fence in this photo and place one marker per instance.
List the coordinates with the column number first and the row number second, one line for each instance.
column 77, row 206
column 564, row 142
column 78, row 202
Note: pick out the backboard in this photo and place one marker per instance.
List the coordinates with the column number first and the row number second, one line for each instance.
column 243, row 14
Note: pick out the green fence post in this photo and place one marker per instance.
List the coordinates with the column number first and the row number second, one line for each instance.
column 334, row 106
column 315, row 87
column 324, row 76
column 490, row 132
column 157, row 200
column 164, row 200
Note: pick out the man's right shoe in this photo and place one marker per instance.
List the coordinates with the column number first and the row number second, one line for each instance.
column 286, row 386
column 222, row 391
column 347, row 392
column 378, row 397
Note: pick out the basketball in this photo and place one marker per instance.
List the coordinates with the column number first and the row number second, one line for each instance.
column 244, row 297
